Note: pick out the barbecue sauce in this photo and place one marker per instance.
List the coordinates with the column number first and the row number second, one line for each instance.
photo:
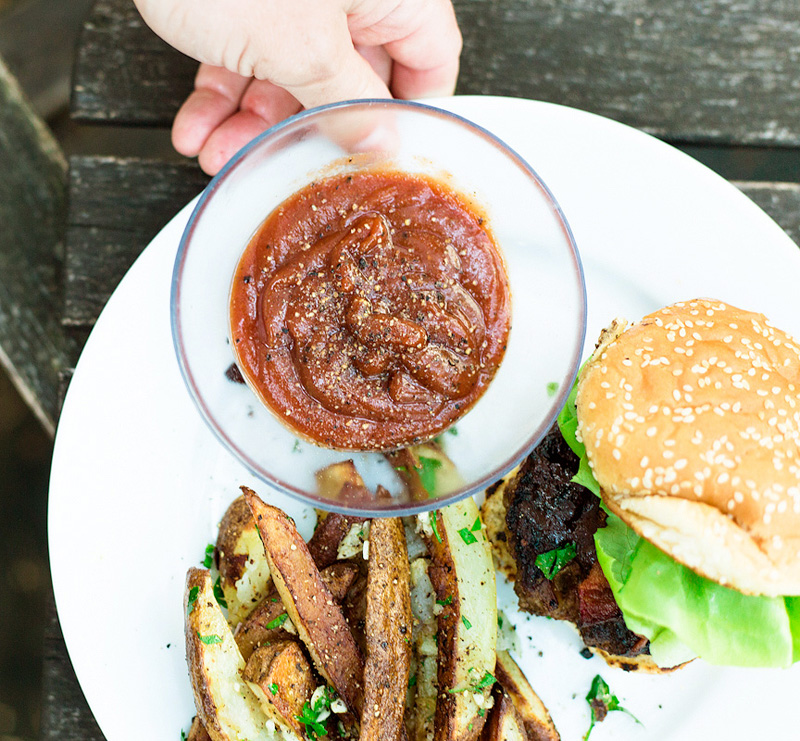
column 370, row 310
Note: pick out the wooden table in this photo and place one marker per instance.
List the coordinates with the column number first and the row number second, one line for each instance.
column 698, row 72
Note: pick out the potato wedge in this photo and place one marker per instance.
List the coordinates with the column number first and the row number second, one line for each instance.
column 493, row 514
column 463, row 576
column 354, row 607
column 197, row 732
column 324, row 543
column 340, row 480
column 535, row 717
column 319, row 621
column 388, row 633
column 281, row 678
column 503, row 723
column 243, row 570
column 265, row 623
column 425, row 470
column 423, row 599
column 225, row 704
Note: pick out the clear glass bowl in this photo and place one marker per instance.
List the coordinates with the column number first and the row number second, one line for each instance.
column 546, row 279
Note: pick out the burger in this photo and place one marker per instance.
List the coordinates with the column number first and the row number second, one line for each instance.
column 662, row 514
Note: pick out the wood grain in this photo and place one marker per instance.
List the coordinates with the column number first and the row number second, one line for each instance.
column 33, row 346
column 124, row 73
column 117, row 205
column 700, row 71
column 65, row 713
column 780, row 200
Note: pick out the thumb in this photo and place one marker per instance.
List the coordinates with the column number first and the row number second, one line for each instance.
column 343, row 75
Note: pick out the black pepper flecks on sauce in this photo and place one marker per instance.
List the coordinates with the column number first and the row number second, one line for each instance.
column 356, row 339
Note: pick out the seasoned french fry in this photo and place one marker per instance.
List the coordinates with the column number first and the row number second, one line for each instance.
column 317, row 617
column 503, row 723
column 198, row 731
column 388, row 633
column 266, row 622
column 423, row 599
column 328, row 537
column 339, row 480
column 463, row 576
column 280, row 677
column 535, row 717
column 244, row 574
column 425, row 470
column 225, row 705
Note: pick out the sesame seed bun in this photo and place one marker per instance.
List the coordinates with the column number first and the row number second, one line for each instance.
column 691, row 422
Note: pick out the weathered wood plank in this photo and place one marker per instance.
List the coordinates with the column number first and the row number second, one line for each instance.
column 701, row 71
column 65, row 714
column 33, row 344
column 124, row 73
column 116, row 207
column 780, row 200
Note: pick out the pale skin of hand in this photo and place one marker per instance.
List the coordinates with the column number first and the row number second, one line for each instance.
column 264, row 60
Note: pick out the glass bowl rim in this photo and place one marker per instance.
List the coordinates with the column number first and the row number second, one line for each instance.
column 398, row 508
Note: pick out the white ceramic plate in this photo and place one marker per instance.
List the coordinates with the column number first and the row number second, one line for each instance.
column 138, row 483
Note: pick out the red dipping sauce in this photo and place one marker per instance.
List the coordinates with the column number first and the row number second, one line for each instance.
column 370, row 310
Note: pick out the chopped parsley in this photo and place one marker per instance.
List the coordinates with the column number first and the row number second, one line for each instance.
column 316, row 712
column 219, row 595
column 296, row 447
column 193, row 592
column 434, row 526
column 278, row 621
column 553, row 561
column 602, row 702
column 210, row 640
column 440, row 438
column 500, row 621
column 552, row 387
column 467, row 536
column 310, row 719
column 476, row 525
column 467, row 623
column 427, row 473
column 487, row 680
column 208, row 561
column 444, row 602
column 412, row 680
column 273, row 688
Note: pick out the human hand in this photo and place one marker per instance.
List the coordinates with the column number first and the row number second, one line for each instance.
column 264, row 60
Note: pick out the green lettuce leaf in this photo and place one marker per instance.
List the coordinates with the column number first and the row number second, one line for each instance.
column 793, row 608
column 568, row 425
column 672, row 606
column 568, row 422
